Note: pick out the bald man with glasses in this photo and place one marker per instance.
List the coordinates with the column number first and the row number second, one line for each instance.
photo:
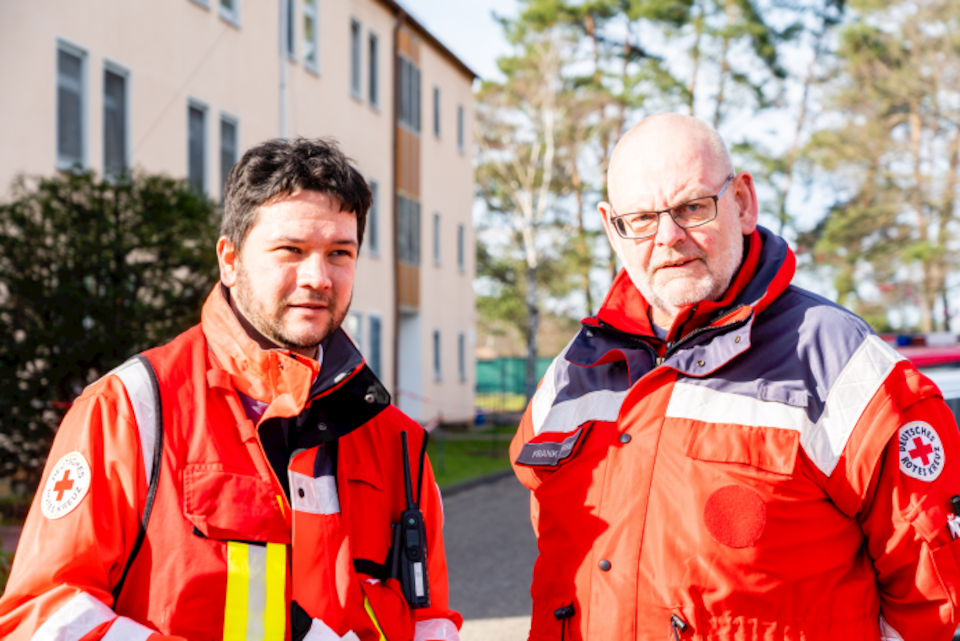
column 719, row 454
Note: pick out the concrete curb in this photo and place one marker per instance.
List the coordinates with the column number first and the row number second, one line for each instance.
column 457, row 488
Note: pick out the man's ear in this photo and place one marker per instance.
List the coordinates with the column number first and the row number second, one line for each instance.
column 745, row 195
column 227, row 256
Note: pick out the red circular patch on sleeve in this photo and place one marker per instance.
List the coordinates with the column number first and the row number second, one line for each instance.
column 735, row 516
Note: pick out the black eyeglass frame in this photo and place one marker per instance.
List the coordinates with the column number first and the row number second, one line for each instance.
column 669, row 211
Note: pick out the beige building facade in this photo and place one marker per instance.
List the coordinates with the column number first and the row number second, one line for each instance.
column 183, row 87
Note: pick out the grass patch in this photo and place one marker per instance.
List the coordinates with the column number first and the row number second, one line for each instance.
column 460, row 459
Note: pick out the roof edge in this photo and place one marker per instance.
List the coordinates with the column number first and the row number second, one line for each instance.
column 402, row 13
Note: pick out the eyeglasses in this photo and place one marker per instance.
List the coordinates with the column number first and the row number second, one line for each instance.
column 693, row 213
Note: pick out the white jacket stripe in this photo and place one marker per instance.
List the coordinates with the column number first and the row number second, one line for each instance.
column 436, row 630
column 823, row 441
column 136, row 380
column 74, row 620
column 124, row 629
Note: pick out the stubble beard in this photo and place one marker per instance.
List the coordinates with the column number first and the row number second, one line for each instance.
column 712, row 286
column 274, row 327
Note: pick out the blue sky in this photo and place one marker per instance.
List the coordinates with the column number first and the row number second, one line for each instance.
column 467, row 28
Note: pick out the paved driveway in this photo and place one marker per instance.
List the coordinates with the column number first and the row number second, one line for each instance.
column 490, row 552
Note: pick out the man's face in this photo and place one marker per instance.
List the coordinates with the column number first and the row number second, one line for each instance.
column 293, row 278
column 679, row 267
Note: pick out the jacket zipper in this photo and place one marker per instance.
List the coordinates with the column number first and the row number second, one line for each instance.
column 678, row 626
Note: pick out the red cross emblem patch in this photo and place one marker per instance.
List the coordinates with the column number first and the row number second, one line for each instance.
column 921, row 452
column 66, row 486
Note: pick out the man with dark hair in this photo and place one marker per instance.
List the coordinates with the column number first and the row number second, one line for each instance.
column 248, row 479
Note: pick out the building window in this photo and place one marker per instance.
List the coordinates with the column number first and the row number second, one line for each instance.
column 355, row 58
column 311, row 54
column 436, row 355
column 460, row 127
column 228, row 149
column 290, row 33
column 373, row 351
column 436, row 239
column 409, row 94
column 115, row 160
column 462, row 356
column 373, row 220
column 230, row 11
column 408, row 230
column 197, row 147
column 70, row 106
column 373, row 80
column 353, row 325
column 436, row 111
column 461, row 246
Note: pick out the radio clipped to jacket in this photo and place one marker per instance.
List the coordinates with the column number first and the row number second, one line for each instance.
column 409, row 552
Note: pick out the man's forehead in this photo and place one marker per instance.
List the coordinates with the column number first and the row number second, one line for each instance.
column 645, row 188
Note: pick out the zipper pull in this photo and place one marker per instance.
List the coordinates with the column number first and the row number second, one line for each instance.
column 678, row 626
column 659, row 361
column 562, row 614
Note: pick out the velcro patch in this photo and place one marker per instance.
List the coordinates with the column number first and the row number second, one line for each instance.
column 66, row 486
column 921, row 451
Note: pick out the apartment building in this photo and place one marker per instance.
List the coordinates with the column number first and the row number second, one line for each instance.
column 183, row 87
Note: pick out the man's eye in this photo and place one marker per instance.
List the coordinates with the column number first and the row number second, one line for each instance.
column 644, row 219
column 290, row 250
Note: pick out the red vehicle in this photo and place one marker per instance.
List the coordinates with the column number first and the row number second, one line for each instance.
column 938, row 357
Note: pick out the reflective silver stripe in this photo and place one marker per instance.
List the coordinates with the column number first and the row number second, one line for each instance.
column 436, row 630
column 124, row 629
column 74, row 620
column 857, row 384
column 257, row 593
column 887, row 633
column 136, row 380
column 314, row 495
column 822, row 441
column 710, row 406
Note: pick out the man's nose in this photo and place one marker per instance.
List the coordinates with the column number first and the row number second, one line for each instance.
column 669, row 233
column 314, row 272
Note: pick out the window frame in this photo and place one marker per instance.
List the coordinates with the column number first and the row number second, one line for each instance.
column 462, row 356
column 356, row 58
column 373, row 69
column 460, row 128
column 193, row 103
column 436, row 112
column 462, row 247
column 372, row 232
column 375, row 364
column 233, row 120
column 437, row 356
column 313, row 13
column 118, row 70
column 84, row 93
column 291, row 29
column 437, row 234
column 356, row 337
column 230, row 16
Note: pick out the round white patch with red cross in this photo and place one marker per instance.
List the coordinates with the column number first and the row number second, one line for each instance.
column 921, row 452
column 66, row 486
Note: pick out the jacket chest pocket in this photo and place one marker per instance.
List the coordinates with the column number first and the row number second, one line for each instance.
column 766, row 449
column 228, row 505
column 370, row 512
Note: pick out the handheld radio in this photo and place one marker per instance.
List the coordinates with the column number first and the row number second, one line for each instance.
column 410, row 541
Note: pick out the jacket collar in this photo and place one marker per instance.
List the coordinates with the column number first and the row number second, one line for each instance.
column 767, row 270
column 284, row 380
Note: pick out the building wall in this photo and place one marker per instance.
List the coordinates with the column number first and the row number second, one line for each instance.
column 178, row 52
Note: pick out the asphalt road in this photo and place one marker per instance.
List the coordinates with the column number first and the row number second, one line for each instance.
column 490, row 553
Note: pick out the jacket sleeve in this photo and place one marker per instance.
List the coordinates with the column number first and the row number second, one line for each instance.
column 438, row 622
column 904, row 518
column 65, row 567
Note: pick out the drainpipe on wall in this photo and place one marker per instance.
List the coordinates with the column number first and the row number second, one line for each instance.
column 284, row 47
column 396, row 210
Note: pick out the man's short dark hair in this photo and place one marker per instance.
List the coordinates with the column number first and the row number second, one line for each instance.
column 281, row 167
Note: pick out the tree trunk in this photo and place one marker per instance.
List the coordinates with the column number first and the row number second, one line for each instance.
column 928, row 293
column 533, row 326
column 695, row 61
column 724, row 63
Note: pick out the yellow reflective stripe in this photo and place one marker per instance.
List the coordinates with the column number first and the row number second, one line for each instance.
column 238, row 586
column 280, row 501
column 373, row 617
column 275, row 616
